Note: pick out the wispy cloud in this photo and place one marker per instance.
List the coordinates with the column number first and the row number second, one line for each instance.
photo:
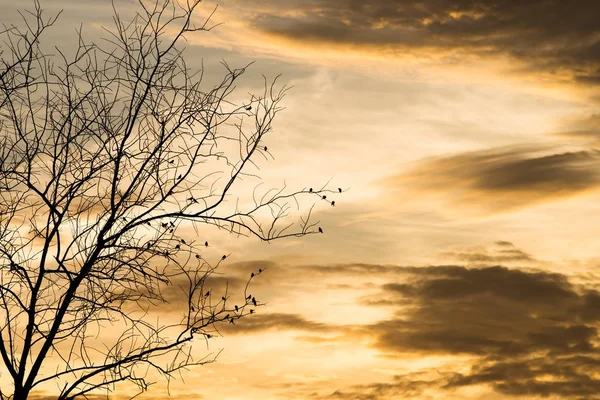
column 502, row 179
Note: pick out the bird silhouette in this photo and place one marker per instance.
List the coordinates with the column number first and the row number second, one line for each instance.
column 207, row 294
column 320, row 230
column 178, row 247
column 310, row 190
column 171, row 161
column 193, row 200
column 340, row 190
column 208, row 336
column 249, row 297
column 179, row 177
column 223, row 298
column 252, row 275
column 206, row 244
column 193, row 309
column 333, row 203
column 248, row 108
column 197, row 255
column 236, row 308
column 148, row 223
column 254, row 301
column 227, row 316
column 324, row 197
column 166, row 254
column 183, row 241
column 231, row 321
column 164, row 225
column 259, row 271
column 266, row 148
column 170, row 230
column 224, row 257
column 251, row 311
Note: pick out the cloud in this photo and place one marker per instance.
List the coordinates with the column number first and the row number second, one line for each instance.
column 408, row 386
column 527, row 332
column 550, row 36
column 587, row 127
column 276, row 321
column 502, row 179
column 519, row 378
column 515, row 332
column 502, row 253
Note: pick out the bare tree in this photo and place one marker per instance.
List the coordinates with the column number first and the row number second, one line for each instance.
column 106, row 154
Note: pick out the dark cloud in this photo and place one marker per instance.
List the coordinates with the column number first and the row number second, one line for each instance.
column 531, row 333
column 526, row 332
column 276, row 321
column 573, row 377
column 409, row 386
column 550, row 35
column 504, row 178
column 499, row 256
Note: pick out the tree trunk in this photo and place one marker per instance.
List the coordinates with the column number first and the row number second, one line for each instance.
column 20, row 394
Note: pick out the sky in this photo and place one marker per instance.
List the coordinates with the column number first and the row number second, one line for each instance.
column 460, row 261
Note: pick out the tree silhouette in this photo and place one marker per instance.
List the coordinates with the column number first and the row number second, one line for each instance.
column 106, row 155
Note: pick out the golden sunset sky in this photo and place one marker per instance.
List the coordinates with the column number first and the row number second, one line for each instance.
column 461, row 260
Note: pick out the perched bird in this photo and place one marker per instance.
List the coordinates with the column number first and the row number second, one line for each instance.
column 193, row 309
column 248, row 108
column 249, row 297
column 251, row 311
column 223, row 298
column 320, row 230
column 236, row 308
column 166, row 254
column 206, row 244
column 208, row 336
column 192, row 199
column 207, row 293
column 324, row 197
column 171, row 161
column 252, row 275
column 148, row 223
column 254, row 301
column 183, row 241
column 333, row 203
column 178, row 247
column 224, row 257
column 310, row 190
column 164, row 225
column 170, row 230
column 231, row 321
column 266, row 148
column 179, row 177
column 259, row 271
column 227, row 316
column 197, row 255
column 340, row 190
